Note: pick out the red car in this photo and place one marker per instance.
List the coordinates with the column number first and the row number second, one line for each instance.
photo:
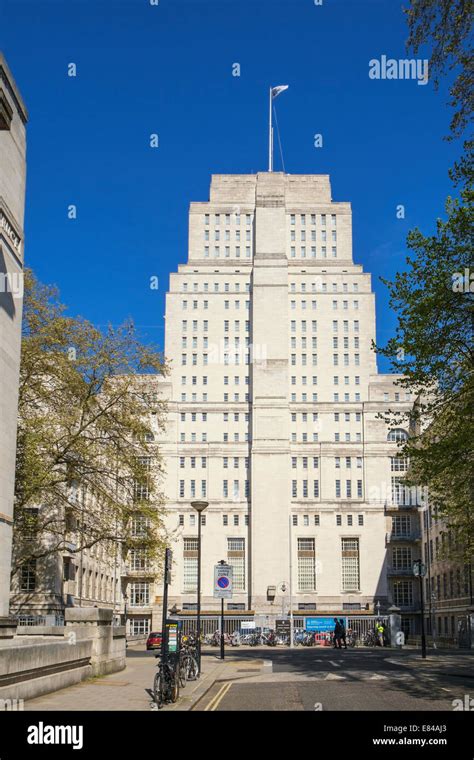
column 154, row 640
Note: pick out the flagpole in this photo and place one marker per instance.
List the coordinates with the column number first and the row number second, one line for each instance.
column 270, row 136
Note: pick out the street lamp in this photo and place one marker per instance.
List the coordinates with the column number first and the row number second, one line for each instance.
column 283, row 587
column 199, row 506
column 125, row 600
column 419, row 570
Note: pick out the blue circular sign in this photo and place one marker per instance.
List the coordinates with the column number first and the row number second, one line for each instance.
column 223, row 582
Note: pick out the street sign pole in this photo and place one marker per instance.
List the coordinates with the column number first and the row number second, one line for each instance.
column 223, row 582
column 222, row 629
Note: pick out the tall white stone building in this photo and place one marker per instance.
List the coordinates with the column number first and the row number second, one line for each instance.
column 13, row 119
column 273, row 412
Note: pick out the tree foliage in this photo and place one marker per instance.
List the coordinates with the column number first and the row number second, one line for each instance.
column 88, row 405
column 433, row 349
column 446, row 25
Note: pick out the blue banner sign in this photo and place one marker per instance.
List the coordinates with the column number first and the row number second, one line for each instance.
column 321, row 624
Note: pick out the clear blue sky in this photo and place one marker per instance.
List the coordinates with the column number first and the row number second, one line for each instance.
column 168, row 69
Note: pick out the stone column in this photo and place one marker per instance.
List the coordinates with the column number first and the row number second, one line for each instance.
column 12, row 199
column 270, row 442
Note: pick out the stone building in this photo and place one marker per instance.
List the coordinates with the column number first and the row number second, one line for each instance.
column 449, row 600
column 13, row 118
column 273, row 414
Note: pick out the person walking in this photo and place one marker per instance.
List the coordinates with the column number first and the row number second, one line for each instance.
column 343, row 633
column 337, row 634
column 380, row 632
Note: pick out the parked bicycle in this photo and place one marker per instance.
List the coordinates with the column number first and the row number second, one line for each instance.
column 166, row 683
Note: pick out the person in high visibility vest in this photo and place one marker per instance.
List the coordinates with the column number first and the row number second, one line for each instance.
column 380, row 632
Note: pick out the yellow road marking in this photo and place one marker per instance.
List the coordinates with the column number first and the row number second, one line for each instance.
column 218, row 697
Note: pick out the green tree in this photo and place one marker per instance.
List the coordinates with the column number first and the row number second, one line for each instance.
column 446, row 26
column 88, row 470
column 433, row 349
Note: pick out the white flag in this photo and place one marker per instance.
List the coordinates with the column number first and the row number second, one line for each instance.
column 277, row 90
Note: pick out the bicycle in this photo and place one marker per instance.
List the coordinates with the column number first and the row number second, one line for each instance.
column 188, row 664
column 165, row 684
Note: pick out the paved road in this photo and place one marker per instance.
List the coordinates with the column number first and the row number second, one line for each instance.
column 324, row 679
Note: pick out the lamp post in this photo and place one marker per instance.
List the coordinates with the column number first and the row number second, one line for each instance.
column 433, row 597
column 125, row 600
column 199, row 506
column 419, row 570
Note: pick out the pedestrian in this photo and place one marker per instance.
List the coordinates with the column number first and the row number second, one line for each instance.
column 343, row 632
column 380, row 632
column 337, row 634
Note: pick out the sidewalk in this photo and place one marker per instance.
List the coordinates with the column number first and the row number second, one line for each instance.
column 130, row 689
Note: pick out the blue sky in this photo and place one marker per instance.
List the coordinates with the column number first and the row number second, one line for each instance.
column 167, row 69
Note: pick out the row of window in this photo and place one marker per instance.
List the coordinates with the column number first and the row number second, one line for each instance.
column 314, row 325
column 402, row 495
column 302, row 250
column 323, row 235
column 226, row 235
column 301, row 218
column 315, row 287
column 303, row 304
column 227, row 219
column 217, row 252
column 452, row 585
column 314, row 342
column 216, row 289
column 225, row 520
column 323, row 287
column 305, row 520
column 234, row 417
column 236, row 489
column 303, row 359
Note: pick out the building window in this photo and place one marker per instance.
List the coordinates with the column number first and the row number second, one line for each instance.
column 139, row 559
column 401, row 558
column 397, row 435
column 401, row 494
column 401, row 526
column 350, row 564
column 236, row 558
column 403, row 593
column 139, row 594
column 399, row 464
column 28, row 576
column 190, row 565
column 306, row 564
column 139, row 626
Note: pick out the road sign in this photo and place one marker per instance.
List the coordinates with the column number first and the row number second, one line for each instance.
column 282, row 626
column 223, row 576
column 419, row 568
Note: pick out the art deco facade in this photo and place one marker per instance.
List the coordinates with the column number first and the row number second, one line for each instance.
column 13, row 119
column 273, row 415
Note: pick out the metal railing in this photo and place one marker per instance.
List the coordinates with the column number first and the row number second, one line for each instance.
column 31, row 620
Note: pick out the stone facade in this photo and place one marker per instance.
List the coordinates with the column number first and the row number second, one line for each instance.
column 13, row 119
column 274, row 404
column 449, row 598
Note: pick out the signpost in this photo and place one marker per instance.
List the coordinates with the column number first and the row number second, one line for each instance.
column 419, row 570
column 223, row 583
column 282, row 627
column 166, row 582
